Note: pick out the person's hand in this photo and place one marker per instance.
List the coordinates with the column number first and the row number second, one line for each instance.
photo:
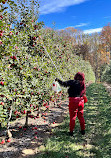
column 56, row 79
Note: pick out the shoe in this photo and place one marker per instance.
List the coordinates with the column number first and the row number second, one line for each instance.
column 82, row 132
column 71, row 133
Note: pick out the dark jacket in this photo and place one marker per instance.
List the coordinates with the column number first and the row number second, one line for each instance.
column 74, row 87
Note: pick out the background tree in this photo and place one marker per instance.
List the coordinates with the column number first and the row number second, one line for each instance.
column 106, row 37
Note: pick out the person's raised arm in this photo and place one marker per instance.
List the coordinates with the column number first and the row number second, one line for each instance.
column 65, row 84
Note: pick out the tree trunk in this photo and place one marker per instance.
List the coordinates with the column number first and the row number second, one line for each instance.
column 26, row 122
column 8, row 133
column 110, row 52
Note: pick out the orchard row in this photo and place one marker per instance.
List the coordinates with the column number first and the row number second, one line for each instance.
column 28, row 55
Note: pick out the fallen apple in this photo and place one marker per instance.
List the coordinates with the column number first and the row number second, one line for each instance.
column 3, row 142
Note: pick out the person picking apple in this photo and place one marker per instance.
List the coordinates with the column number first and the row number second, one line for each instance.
column 77, row 98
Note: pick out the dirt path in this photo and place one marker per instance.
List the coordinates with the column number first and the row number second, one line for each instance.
column 27, row 142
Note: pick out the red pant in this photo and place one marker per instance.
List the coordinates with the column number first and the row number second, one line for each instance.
column 76, row 108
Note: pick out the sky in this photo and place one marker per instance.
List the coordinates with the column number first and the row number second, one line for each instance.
column 90, row 16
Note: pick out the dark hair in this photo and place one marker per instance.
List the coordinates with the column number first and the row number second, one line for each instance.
column 80, row 76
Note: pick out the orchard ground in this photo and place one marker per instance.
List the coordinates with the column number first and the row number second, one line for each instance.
column 28, row 141
column 47, row 136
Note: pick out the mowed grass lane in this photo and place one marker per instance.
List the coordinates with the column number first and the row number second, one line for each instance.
column 97, row 141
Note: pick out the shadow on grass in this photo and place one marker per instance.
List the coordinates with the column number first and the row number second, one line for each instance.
column 100, row 133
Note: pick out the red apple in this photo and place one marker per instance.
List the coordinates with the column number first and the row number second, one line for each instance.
column 1, row 17
column 35, row 137
column 24, row 129
column 3, row 142
column 29, row 112
column 16, row 47
column 1, row 43
column 2, row 83
column 14, row 57
column 15, row 112
column 24, row 112
column 3, row 2
column 9, row 108
column 10, row 33
column 1, row 34
column 32, row 93
column 23, row 92
column 44, row 104
column 35, row 127
column 34, row 38
column 35, row 132
column 2, row 95
column 2, row 103
column 32, row 128
column 9, row 140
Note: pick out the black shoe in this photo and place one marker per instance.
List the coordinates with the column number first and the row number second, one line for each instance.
column 71, row 133
column 82, row 132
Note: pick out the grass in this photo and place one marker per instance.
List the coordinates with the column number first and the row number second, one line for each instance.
column 97, row 141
